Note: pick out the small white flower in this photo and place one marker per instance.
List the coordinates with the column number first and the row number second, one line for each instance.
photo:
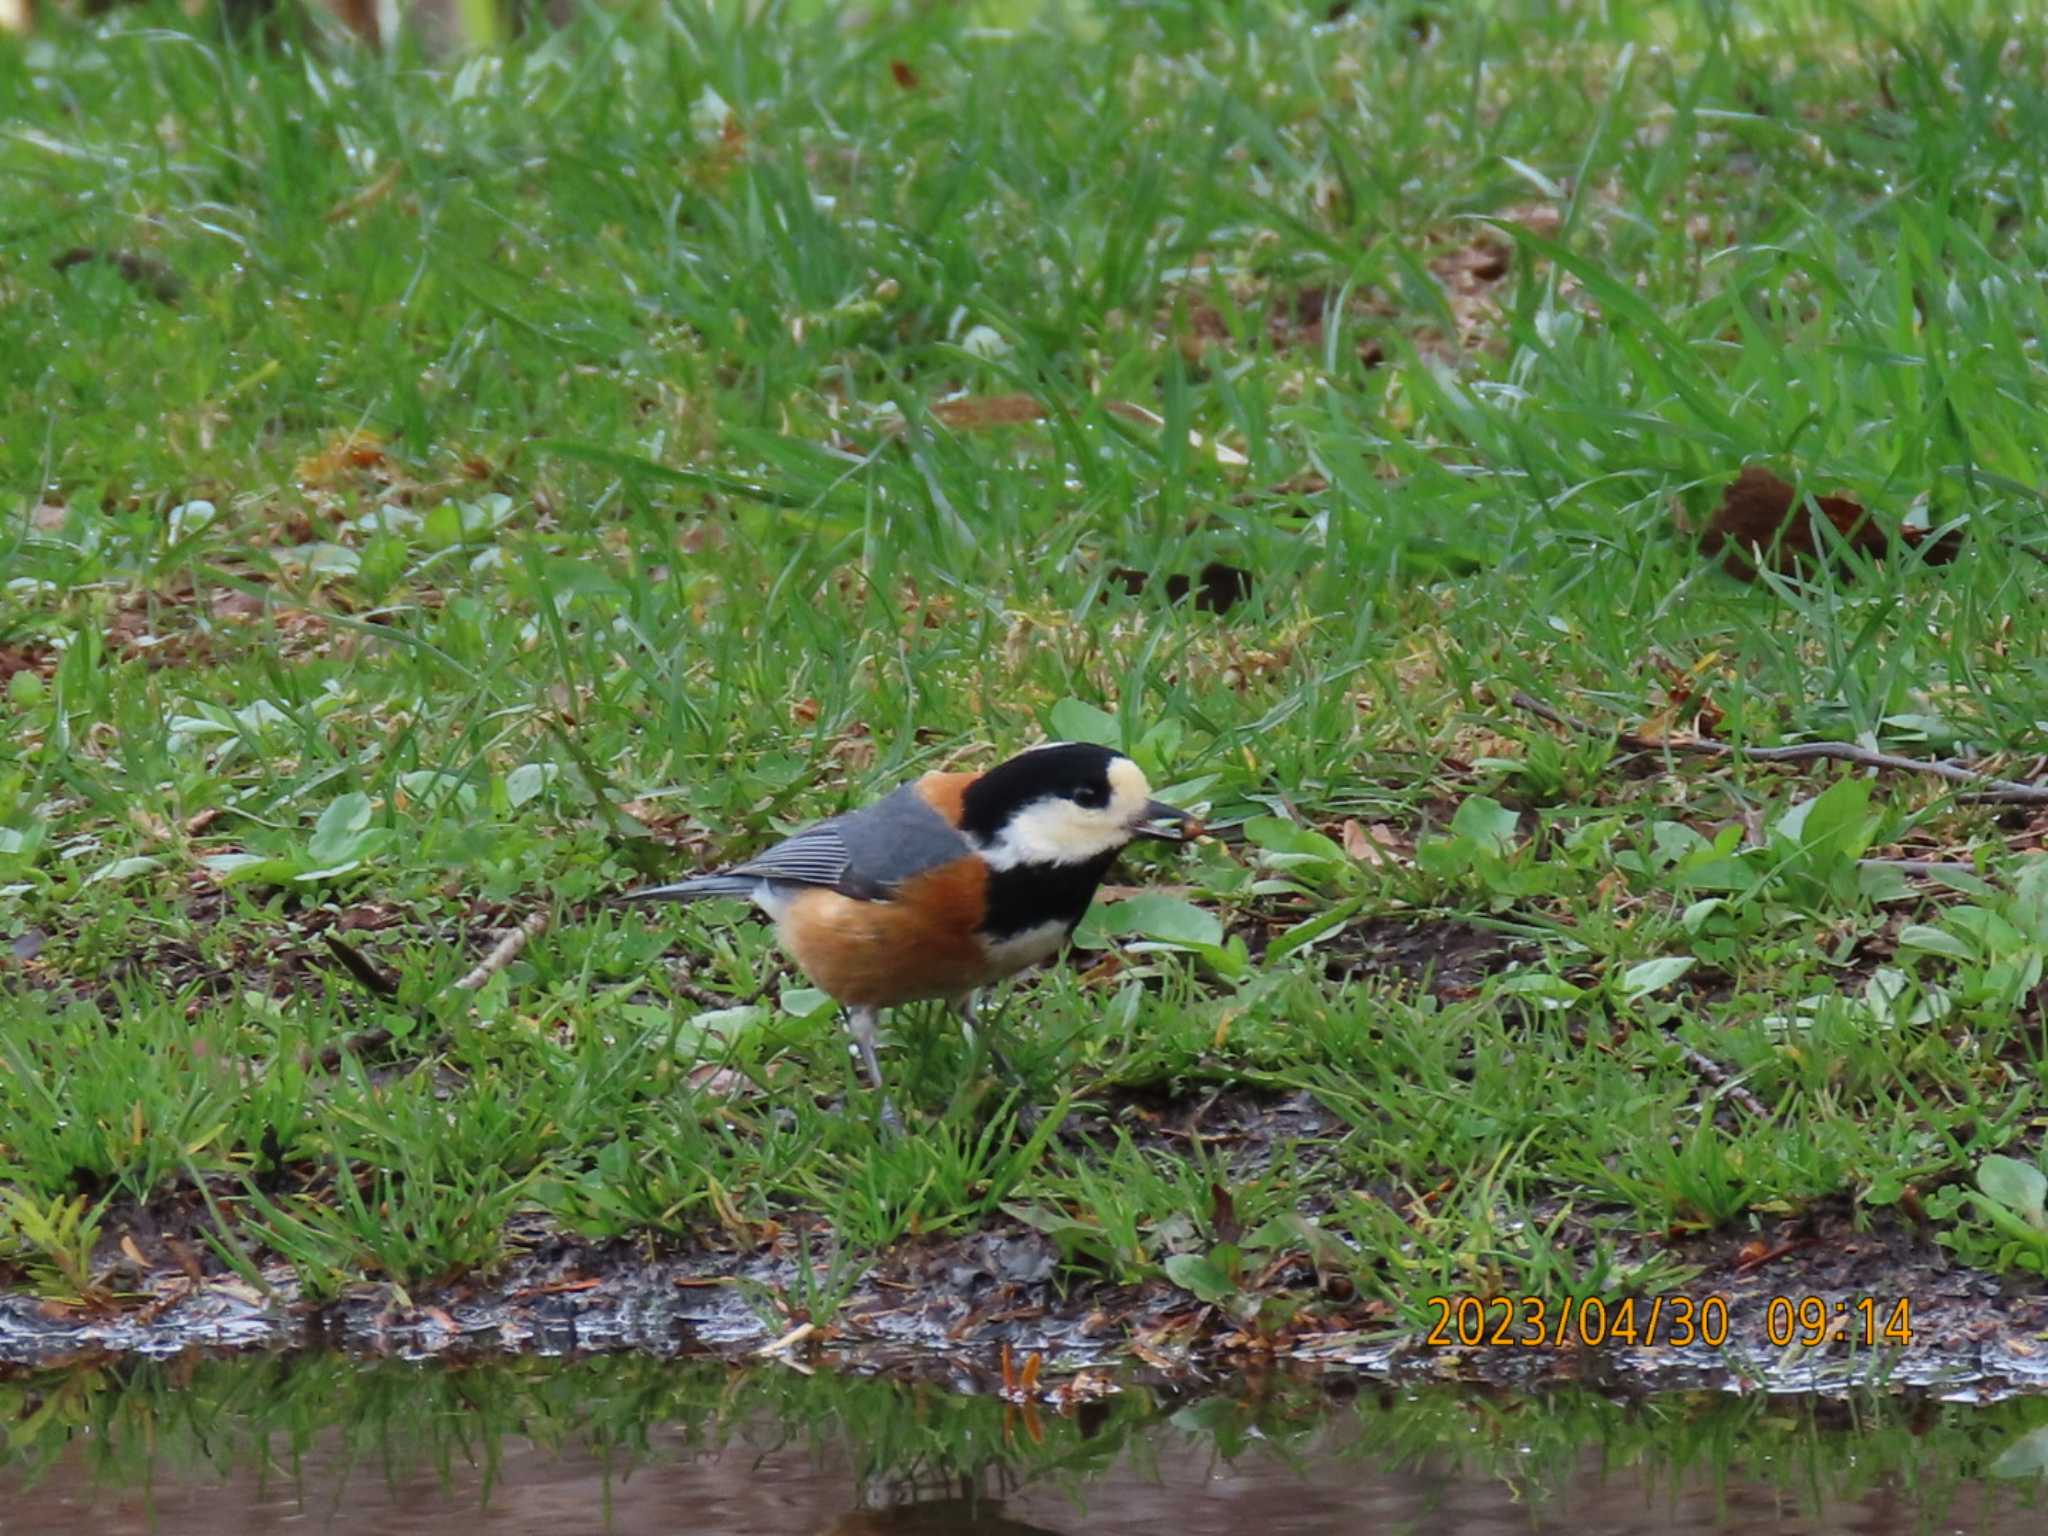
column 985, row 342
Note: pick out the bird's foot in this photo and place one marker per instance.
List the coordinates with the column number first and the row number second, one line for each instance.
column 892, row 1122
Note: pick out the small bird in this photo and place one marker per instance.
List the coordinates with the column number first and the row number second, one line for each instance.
column 952, row 882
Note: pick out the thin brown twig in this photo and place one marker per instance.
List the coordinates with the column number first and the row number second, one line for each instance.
column 502, row 954
column 507, row 950
column 1988, row 790
column 1720, row 1077
column 683, row 986
column 360, row 966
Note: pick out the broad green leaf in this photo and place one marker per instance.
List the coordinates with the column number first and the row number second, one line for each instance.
column 1158, row 747
column 261, row 716
column 1307, row 932
column 803, row 1002
column 228, row 867
column 1486, row 823
column 1276, row 834
column 1198, row 1274
column 1073, row 720
column 1640, row 980
column 2030, row 900
column 466, row 522
column 528, row 780
column 331, row 871
column 122, row 869
column 431, row 789
column 335, row 834
column 724, row 1023
column 1878, row 883
column 1695, row 916
column 1674, row 840
column 1936, row 941
column 1167, row 919
column 1991, row 933
column 1541, row 988
column 1833, row 826
column 2019, row 1187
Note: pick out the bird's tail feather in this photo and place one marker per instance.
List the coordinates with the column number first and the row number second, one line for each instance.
column 697, row 888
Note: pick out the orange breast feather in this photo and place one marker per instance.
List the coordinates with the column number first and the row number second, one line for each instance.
column 876, row 954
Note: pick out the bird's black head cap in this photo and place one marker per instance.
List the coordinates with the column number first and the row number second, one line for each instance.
column 1066, row 770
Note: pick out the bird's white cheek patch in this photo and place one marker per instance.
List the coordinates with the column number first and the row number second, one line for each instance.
column 1033, row 946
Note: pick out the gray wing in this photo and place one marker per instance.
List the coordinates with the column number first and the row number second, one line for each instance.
column 866, row 853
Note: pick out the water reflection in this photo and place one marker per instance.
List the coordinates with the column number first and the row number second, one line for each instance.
column 635, row 1445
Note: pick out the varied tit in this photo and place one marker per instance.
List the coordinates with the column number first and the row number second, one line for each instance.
column 954, row 881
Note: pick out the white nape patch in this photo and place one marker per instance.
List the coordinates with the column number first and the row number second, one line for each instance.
column 1033, row 946
column 1055, row 830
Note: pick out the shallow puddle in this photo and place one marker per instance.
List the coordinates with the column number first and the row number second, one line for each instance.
column 629, row 1444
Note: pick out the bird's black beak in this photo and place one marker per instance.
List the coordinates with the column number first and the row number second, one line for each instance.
column 1168, row 823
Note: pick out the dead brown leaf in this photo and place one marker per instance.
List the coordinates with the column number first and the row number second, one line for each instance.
column 153, row 827
column 1103, row 971
column 716, row 1082
column 974, row 413
column 854, row 749
column 153, row 277
column 229, row 606
column 1471, row 268
column 132, row 635
column 1688, row 713
column 36, row 658
column 1763, row 519
column 368, row 197
column 1217, row 587
column 345, row 454
column 1376, row 843
column 1296, row 321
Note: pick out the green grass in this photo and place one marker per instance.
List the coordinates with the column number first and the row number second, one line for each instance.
column 536, row 486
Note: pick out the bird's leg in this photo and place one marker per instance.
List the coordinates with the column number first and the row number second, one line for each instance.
column 862, row 1023
column 970, row 1020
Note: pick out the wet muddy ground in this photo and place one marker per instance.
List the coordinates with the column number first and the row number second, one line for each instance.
column 961, row 1304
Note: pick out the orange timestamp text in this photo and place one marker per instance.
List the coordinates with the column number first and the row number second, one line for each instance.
column 1814, row 1320
column 1543, row 1322
column 1670, row 1322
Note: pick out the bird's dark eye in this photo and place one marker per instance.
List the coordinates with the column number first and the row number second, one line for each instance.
column 1093, row 796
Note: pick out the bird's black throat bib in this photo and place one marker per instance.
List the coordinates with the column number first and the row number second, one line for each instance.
column 1028, row 896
